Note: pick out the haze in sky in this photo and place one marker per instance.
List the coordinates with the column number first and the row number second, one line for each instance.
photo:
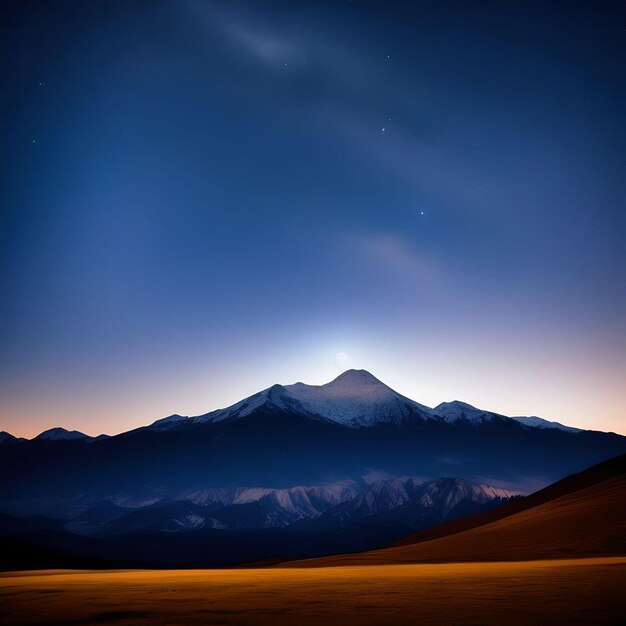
column 202, row 199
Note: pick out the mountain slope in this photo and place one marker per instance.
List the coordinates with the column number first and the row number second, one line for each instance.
column 581, row 516
column 538, row 422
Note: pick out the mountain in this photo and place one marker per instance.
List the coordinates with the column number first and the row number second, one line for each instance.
column 457, row 410
column 166, row 423
column 580, row 516
column 288, row 437
column 538, row 422
column 6, row 437
column 355, row 399
column 406, row 501
column 413, row 503
column 61, row 434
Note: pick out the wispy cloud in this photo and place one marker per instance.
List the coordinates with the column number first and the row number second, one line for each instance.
column 396, row 255
column 260, row 39
column 268, row 48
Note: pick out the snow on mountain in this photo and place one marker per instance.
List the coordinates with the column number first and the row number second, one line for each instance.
column 217, row 497
column 538, row 422
column 412, row 501
column 385, row 496
column 130, row 502
column 171, row 517
column 282, row 507
column 301, row 500
column 354, row 399
column 456, row 410
column 275, row 397
column 261, row 507
column 448, row 493
column 61, row 434
column 166, row 423
column 343, row 502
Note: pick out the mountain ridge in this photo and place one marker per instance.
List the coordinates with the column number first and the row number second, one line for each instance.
column 354, row 399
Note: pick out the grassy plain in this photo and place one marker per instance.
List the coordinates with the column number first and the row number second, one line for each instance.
column 576, row 591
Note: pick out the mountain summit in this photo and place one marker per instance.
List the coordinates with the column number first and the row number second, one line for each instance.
column 355, row 379
column 354, row 399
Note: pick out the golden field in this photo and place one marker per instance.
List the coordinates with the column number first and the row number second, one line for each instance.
column 577, row 591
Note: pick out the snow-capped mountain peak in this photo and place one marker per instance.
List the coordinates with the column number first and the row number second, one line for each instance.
column 457, row 410
column 357, row 398
column 354, row 399
column 354, row 380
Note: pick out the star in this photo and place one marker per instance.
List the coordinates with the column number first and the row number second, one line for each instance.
column 384, row 129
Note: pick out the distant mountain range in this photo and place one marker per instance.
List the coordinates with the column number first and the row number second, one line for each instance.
column 355, row 399
column 405, row 501
column 312, row 459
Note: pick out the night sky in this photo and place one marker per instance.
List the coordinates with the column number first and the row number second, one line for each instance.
column 201, row 199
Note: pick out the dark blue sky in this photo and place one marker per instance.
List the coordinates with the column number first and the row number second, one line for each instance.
column 200, row 199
